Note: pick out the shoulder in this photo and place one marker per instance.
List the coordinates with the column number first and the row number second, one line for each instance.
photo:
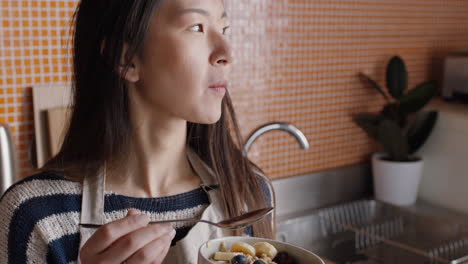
column 266, row 185
column 35, row 210
column 37, row 194
column 40, row 184
column 263, row 178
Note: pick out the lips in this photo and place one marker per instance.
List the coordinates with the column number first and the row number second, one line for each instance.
column 218, row 86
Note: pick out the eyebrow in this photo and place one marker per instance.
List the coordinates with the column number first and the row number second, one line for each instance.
column 199, row 11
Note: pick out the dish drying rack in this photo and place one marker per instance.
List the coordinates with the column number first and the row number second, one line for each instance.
column 369, row 231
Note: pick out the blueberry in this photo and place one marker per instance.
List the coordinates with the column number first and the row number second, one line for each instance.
column 284, row 258
column 259, row 262
column 239, row 259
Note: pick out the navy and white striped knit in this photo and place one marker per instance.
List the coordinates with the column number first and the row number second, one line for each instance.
column 39, row 217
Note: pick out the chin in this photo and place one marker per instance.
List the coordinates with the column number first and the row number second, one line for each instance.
column 208, row 118
column 212, row 119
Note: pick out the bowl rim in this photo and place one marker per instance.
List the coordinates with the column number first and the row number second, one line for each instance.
column 263, row 240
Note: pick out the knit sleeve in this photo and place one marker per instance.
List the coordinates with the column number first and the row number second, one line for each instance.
column 17, row 245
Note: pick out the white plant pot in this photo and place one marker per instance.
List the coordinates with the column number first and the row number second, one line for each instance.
column 396, row 182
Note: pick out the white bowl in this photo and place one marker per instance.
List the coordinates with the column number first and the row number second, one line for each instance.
column 301, row 255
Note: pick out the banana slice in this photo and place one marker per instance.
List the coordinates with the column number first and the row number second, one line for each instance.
column 223, row 247
column 244, row 248
column 225, row 255
column 265, row 248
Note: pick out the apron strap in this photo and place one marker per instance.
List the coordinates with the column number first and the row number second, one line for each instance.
column 92, row 206
column 92, row 203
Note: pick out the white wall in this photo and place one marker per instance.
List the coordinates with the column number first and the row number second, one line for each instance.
column 445, row 177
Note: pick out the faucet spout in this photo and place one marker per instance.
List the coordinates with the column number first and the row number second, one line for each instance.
column 298, row 134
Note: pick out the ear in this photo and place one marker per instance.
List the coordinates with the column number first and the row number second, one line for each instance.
column 132, row 74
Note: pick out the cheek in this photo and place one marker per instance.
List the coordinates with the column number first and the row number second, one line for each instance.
column 174, row 78
column 190, row 69
column 178, row 66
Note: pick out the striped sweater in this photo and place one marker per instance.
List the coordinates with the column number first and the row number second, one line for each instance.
column 39, row 217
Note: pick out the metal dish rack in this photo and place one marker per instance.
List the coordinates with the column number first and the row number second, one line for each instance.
column 368, row 231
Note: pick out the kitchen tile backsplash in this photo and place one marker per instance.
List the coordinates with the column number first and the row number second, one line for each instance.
column 296, row 61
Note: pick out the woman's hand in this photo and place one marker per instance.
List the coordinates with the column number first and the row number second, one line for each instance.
column 130, row 240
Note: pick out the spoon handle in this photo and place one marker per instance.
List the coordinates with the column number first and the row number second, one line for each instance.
column 157, row 222
column 179, row 220
column 231, row 223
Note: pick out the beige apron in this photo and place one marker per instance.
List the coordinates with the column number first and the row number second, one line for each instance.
column 186, row 250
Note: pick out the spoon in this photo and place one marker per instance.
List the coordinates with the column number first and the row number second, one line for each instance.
column 231, row 223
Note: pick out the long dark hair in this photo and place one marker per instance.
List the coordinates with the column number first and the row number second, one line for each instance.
column 99, row 128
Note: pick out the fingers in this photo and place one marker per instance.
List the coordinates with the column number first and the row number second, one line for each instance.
column 129, row 244
column 109, row 233
column 153, row 252
column 133, row 212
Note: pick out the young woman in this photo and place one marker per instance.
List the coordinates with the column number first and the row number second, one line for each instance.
column 152, row 136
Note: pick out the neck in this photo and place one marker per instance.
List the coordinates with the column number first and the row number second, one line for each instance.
column 157, row 164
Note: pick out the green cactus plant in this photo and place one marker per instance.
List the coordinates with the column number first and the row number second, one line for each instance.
column 400, row 127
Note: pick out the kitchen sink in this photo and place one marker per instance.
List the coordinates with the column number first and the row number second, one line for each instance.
column 369, row 231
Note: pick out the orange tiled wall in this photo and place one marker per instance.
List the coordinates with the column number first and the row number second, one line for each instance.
column 296, row 61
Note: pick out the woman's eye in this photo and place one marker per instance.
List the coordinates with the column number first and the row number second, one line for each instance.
column 197, row 28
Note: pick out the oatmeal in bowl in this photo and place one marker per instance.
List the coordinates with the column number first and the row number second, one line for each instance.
column 252, row 250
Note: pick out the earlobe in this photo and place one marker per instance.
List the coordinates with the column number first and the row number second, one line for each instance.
column 132, row 74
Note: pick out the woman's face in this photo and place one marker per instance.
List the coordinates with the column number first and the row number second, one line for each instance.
column 184, row 65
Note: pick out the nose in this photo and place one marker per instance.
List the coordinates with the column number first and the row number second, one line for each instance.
column 222, row 53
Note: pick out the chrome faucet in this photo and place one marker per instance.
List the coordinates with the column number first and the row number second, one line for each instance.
column 301, row 138
column 7, row 159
